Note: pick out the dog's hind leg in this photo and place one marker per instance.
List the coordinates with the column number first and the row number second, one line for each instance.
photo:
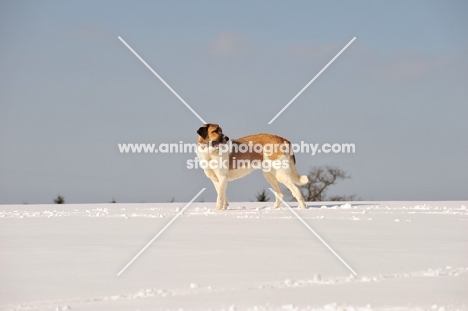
column 226, row 202
column 270, row 177
column 285, row 179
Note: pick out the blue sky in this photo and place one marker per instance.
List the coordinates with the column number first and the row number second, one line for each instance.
column 71, row 91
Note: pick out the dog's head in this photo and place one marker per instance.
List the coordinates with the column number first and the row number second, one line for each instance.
column 211, row 134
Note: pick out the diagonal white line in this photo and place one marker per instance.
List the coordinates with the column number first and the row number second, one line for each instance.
column 315, row 233
column 162, row 80
column 316, row 76
column 160, row 232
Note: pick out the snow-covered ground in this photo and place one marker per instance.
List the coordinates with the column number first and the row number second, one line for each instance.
column 408, row 255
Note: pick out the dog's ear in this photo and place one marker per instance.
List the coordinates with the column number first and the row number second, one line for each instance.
column 203, row 131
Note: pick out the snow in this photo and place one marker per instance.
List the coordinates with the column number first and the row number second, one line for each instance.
column 407, row 255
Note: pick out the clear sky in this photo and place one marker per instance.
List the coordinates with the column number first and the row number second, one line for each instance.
column 70, row 91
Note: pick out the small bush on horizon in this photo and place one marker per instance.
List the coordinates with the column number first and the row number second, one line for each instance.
column 262, row 196
column 59, row 199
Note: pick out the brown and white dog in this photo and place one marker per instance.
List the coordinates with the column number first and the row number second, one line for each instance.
column 225, row 160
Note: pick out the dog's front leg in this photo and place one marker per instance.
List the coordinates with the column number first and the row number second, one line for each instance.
column 222, row 173
column 216, row 185
column 221, row 202
column 214, row 178
column 226, row 202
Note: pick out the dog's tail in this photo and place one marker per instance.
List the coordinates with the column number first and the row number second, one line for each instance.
column 295, row 177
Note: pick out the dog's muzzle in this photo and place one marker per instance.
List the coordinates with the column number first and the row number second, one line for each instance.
column 216, row 143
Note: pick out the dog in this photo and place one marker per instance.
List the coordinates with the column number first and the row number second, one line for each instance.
column 225, row 160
